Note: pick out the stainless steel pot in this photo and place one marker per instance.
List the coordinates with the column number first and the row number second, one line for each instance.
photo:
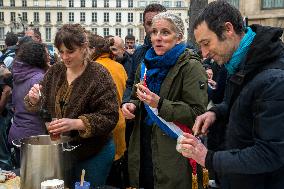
column 43, row 159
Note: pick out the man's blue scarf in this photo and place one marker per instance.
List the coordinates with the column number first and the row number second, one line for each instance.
column 241, row 52
column 158, row 68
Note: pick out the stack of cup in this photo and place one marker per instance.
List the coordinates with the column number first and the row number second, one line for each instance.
column 52, row 184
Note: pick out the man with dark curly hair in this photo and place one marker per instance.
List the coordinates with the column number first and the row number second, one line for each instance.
column 9, row 53
column 253, row 105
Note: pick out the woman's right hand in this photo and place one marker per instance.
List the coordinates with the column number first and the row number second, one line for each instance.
column 34, row 94
column 128, row 110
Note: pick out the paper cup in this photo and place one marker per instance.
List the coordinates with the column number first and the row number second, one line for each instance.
column 52, row 184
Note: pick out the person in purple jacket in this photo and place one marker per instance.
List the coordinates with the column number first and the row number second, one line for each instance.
column 29, row 67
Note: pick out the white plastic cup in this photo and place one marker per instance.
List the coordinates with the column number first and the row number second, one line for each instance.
column 52, row 184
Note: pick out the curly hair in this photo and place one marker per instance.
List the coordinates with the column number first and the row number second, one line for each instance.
column 33, row 53
column 11, row 39
column 71, row 35
column 100, row 44
column 154, row 8
column 175, row 20
column 216, row 14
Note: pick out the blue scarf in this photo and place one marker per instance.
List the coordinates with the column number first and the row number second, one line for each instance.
column 158, row 68
column 241, row 52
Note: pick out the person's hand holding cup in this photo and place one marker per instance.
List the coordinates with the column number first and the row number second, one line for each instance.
column 53, row 136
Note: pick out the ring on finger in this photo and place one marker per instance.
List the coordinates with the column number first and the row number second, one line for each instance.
column 187, row 150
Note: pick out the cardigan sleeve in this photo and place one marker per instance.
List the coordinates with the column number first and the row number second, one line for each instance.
column 102, row 115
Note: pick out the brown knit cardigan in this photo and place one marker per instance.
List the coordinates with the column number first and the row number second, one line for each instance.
column 92, row 97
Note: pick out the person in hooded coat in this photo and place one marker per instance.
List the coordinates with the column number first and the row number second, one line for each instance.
column 29, row 67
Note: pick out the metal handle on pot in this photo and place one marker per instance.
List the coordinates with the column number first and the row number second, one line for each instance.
column 14, row 142
column 69, row 148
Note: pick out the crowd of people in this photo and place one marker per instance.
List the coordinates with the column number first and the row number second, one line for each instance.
column 158, row 115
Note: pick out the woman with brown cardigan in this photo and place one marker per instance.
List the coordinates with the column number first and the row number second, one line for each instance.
column 82, row 96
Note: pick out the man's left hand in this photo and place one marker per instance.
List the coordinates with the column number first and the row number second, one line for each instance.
column 191, row 147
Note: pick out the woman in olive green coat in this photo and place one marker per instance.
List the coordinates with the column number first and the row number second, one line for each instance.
column 174, row 84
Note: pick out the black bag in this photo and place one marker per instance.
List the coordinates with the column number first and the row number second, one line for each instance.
column 118, row 175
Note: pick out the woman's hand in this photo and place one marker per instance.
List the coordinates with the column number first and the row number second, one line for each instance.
column 148, row 97
column 128, row 110
column 65, row 124
column 34, row 94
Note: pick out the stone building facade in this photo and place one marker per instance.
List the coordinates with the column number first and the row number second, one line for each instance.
column 104, row 17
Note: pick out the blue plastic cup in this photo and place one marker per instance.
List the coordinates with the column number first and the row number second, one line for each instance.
column 86, row 185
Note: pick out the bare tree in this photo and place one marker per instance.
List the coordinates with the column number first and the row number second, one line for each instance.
column 195, row 7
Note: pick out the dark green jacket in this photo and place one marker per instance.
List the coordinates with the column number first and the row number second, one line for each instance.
column 185, row 96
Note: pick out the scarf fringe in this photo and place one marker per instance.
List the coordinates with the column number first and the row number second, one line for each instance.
column 194, row 181
column 205, row 178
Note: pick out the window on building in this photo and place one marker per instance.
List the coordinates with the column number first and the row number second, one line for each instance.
column 118, row 32
column 130, row 17
column 142, row 3
column 95, row 30
column 106, row 17
column 167, row 3
column 1, row 3
column 2, row 33
column 118, row 3
column 82, row 16
column 59, row 3
column 71, row 16
column 25, row 16
column 47, row 16
column 154, row 2
column 94, row 3
column 13, row 16
column 106, row 31
column 272, row 4
column 130, row 31
column 47, row 3
column 141, row 34
column 12, row 3
column 235, row 3
column 83, row 3
column 71, row 3
column 106, row 3
column 24, row 3
column 48, row 34
column 36, row 16
column 179, row 4
column 59, row 16
column 130, row 3
column 94, row 17
column 141, row 17
column 118, row 17
column 36, row 3
column 1, row 16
